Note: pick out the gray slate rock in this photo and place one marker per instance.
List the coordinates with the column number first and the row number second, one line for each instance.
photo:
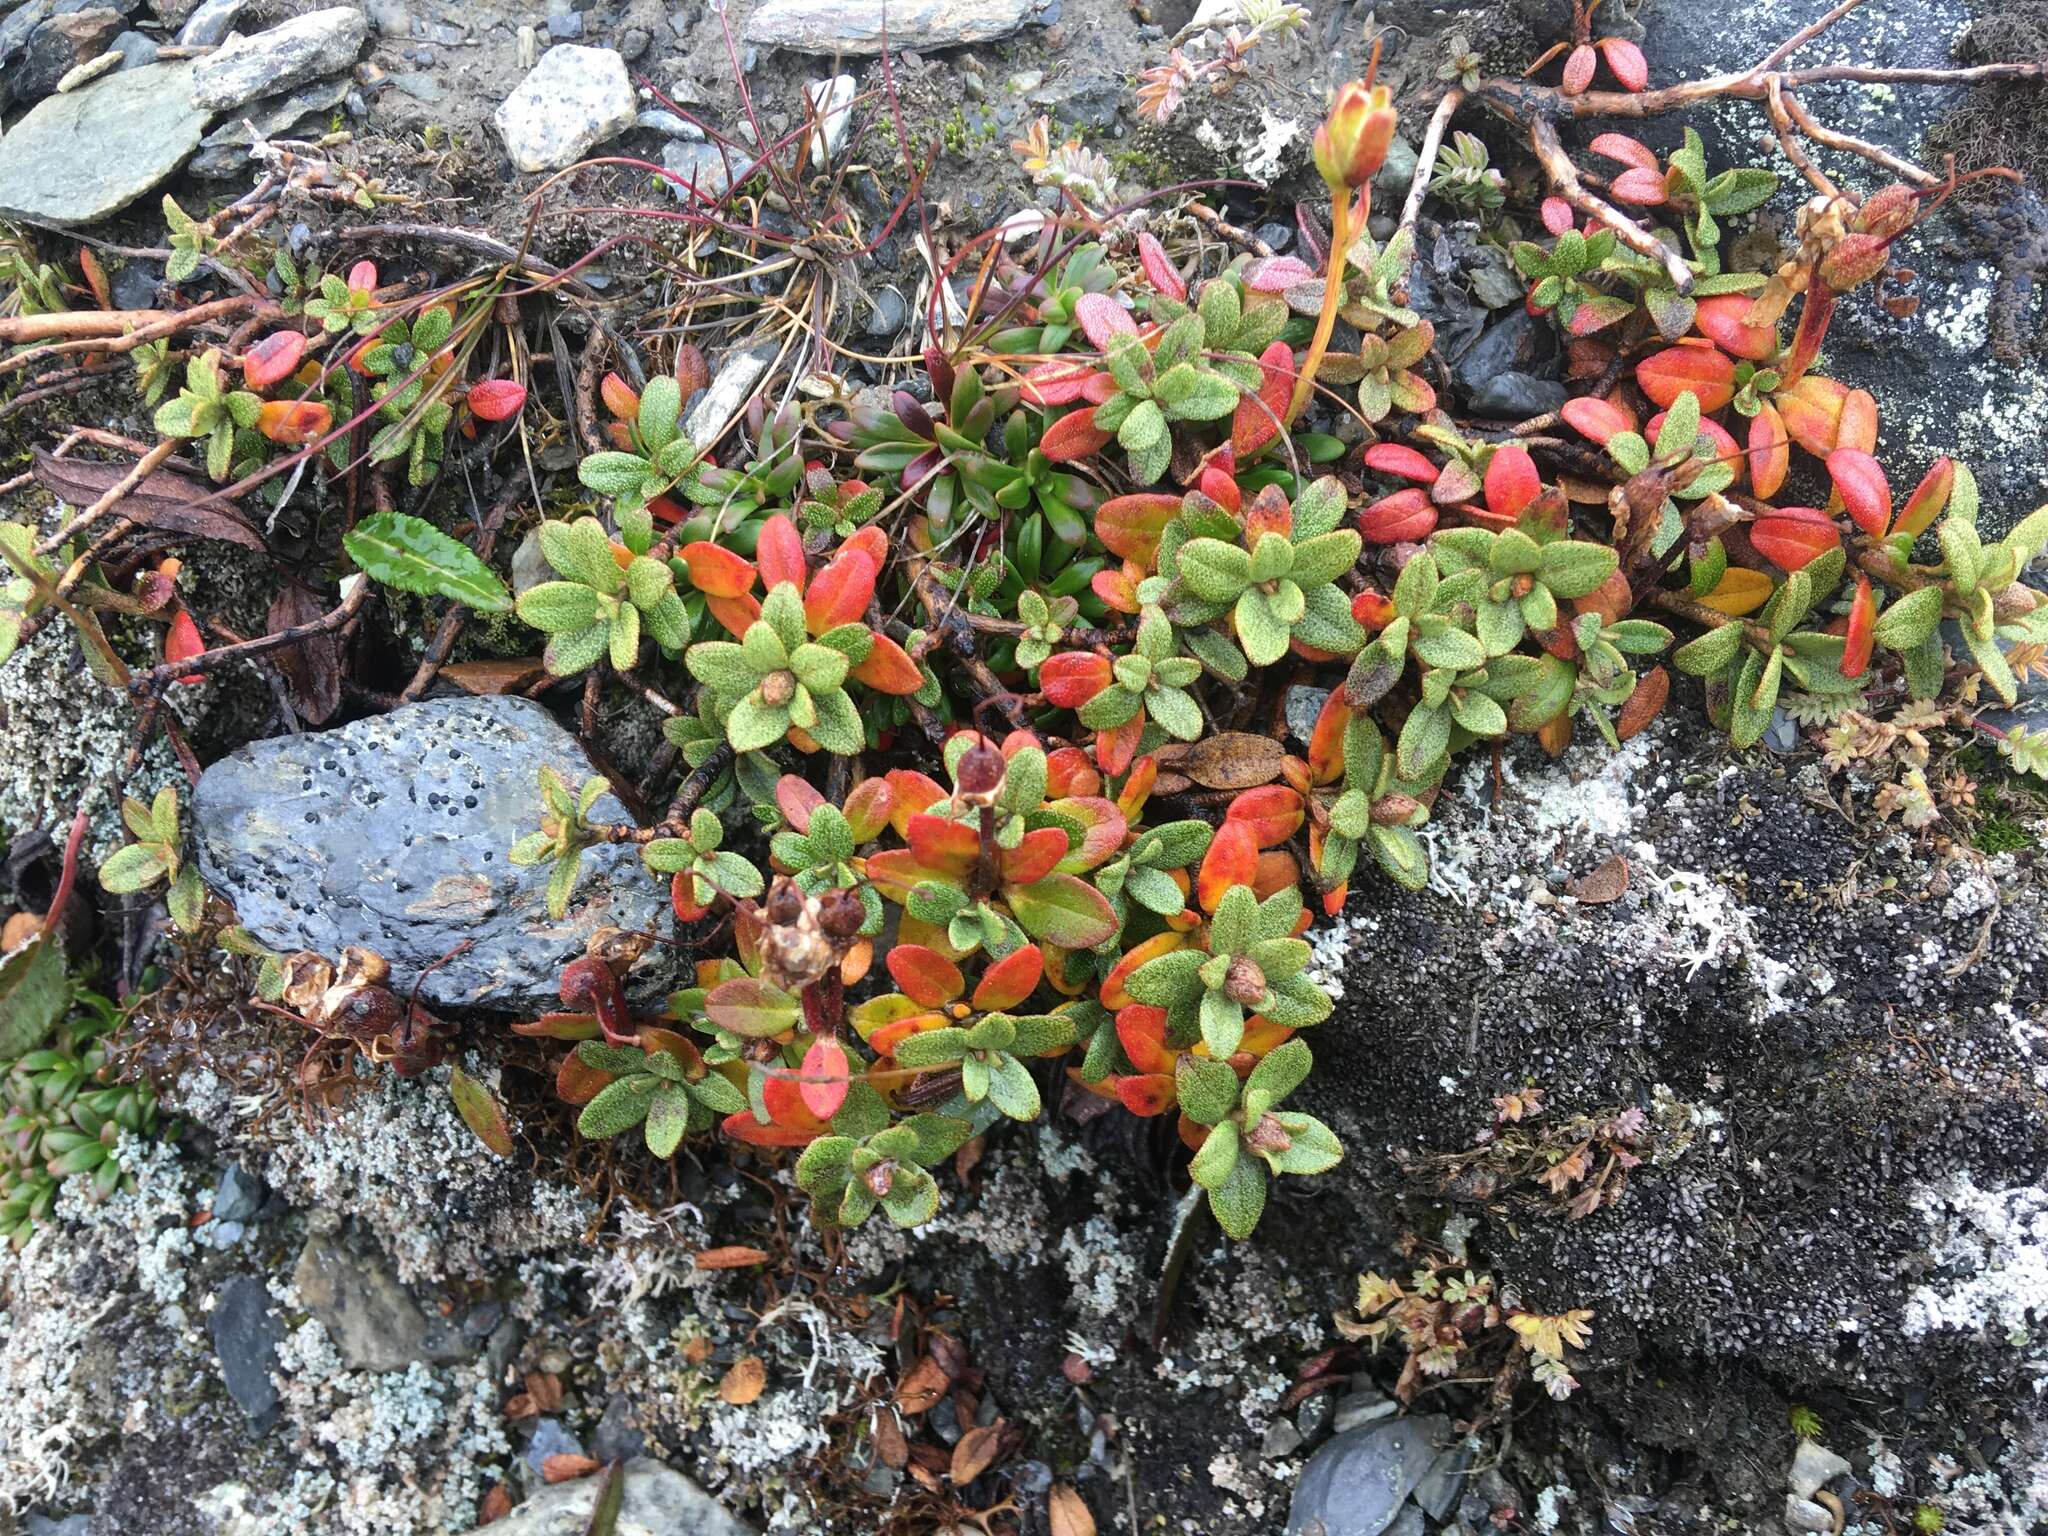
column 78, row 157
column 373, row 1320
column 550, row 1438
column 59, row 46
column 135, row 49
column 574, row 99
column 246, row 1333
column 392, row 833
column 1356, row 1484
column 304, row 48
column 1814, row 1466
column 1445, row 1480
column 225, row 151
column 855, row 26
column 701, row 167
column 209, row 24
column 238, row 1196
column 659, row 1501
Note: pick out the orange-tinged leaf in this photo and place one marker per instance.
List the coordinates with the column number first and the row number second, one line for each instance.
column 887, row 668
column 496, row 399
column 731, row 1257
column 1232, row 859
column 1071, row 678
column 1147, row 1094
column 95, row 277
column 1739, row 591
column 737, row 614
column 1326, row 741
column 1103, row 831
column 293, row 422
column 839, row 593
column 1862, row 630
column 826, row 1072
column 1794, row 537
column 910, row 794
column 716, row 571
column 780, row 554
column 867, row 809
column 1114, row 749
column 273, row 359
column 1643, row 705
column 1259, row 417
column 1273, row 812
column 1010, row 980
column 1929, row 499
column 1074, row 436
column 796, row 798
column 939, row 844
column 1866, row 494
column 1138, row 787
column 1702, row 369
column 1069, row 772
column 746, row 1380
column 1275, row 871
column 885, row 1036
column 1770, row 452
column 1857, row 427
column 1113, row 994
column 1598, row 419
column 1036, row 855
column 1724, row 320
column 1811, row 409
column 927, row 977
column 1141, row 1031
column 576, row 1083
column 619, row 397
column 923, row 1385
column 182, row 641
column 566, row 1467
column 1129, row 526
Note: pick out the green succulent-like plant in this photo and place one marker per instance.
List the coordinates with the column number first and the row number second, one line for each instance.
column 1023, row 478
column 1151, row 681
column 1143, row 872
column 713, row 871
column 1746, row 665
column 224, row 418
column 1275, row 574
column 1253, row 964
column 1247, row 1129
column 1978, row 576
column 664, row 1088
column 1524, row 579
column 849, row 1176
column 1462, row 176
column 191, row 241
column 1376, row 808
column 1383, row 368
column 1560, row 277
column 597, row 609
column 564, row 833
column 989, row 1055
column 660, row 460
column 154, row 856
column 822, row 855
column 413, row 422
column 777, row 678
column 1046, row 619
column 1086, row 271
column 1427, row 625
column 1184, row 377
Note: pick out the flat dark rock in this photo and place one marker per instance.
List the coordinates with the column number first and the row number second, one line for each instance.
column 393, row 833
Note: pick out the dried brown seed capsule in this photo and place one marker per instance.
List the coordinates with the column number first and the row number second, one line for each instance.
column 1269, row 1135
column 785, row 902
column 778, row 687
column 979, row 778
column 840, row 913
column 1244, row 982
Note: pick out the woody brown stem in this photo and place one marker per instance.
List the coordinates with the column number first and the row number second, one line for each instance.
column 1564, row 176
column 1425, row 160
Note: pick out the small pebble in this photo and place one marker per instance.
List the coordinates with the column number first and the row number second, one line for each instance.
column 1276, row 237
column 565, row 28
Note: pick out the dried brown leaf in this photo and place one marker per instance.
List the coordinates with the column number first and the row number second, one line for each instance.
column 1227, row 760
column 496, row 1505
column 502, row 674
column 545, row 1388
column 1643, row 706
column 311, row 669
column 890, row 1444
column 1567, row 1170
column 976, row 1452
column 566, row 1468
column 1605, row 882
column 164, row 500
column 1068, row 1513
column 925, row 1384
column 734, row 1257
column 747, row 1380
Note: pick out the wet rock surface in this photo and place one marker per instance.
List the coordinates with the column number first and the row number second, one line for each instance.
column 392, row 833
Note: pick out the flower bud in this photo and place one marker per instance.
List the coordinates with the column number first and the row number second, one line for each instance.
column 778, row 687
column 1352, row 143
column 979, row 778
column 1889, row 212
column 1853, row 260
column 1269, row 1135
column 1244, row 982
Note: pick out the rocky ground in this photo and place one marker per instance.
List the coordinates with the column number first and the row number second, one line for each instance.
column 1827, row 1029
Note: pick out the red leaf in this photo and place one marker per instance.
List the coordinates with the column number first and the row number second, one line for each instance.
column 1633, row 153
column 1403, row 461
column 1578, row 69
column 888, row 668
column 1129, row 526
column 182, row 642
column 1512, row 481
column 1812, row 410
column 1724, row 319
column 717, row 572
column 1642, row 187
column 1074, row 436
column 910, row 793
column 362, row 277
column 1114, row 749
column 1113, row 994
column 273, row 359
column 938, row 843
column 924, row 975
column 796, row 798
column 1153, row 1093
column 1793, row 537
column 1273, row 812
column 1034, row 857
column 1259, row 417
column 1276, row 274
column 1071, row 678
column 1102, row 317
column 780, row 554
column 1152, row 257
column 1557, row 215
column 496, row 399
column 619, row 398
column 1597, row 419
column 1929, row 498
column 825, row 1059
column 737, row 614
column 1862, row 630
column 1625, row 60
column 1141, row 1030
column 1770, row 452
column 1010, row 980
column 1666, row 375
column 1058, row 382
column 1402, row 516
column 1860, row 482
column 1232, row 859
column 839, row 593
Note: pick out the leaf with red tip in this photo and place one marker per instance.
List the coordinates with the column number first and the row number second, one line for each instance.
column 1113, row 993
column 1794, row 537
column 1633, row 153
column 1232, row 859
column 790, row 1124
column 1770, row 452
column 1058, row 382
column 780, row 554
column 273, row 359
column 867, row 809
column 1074, row 436
column 1259, row 417
column 1114, row 749
column 870, row 541
column 1158, row 269
column 716, row 571
column 1063, row 910
column 1141, row 1031
column 737, row 614
column 1579, row 65
column 1862, row 629
column 1394, row 519
column 1643, row 188
column 1103, row 828
column 1148, row 1094
column 839, row 593
column 1724, row 320
column 1625, row 62
column 1596, row 418
column 1512, row 481
column 1036, row 855
column 1276, row 274
column 826, row 1071
column 1130, row 526
column 1866, row 494
column 1273, row 812
column 938, row 843
column 1857, row 425
column 887, row 668
column 910, row 794
column 1010, row 980
column 925, row 976
column 182, row 642
column 1399, row 459
column 496, row 399
column 1068, row 772
column 796, row 798
column 1704, row 370
column 1101, row 317
column 749, row 1006
column 1326, row 741
column 1071, row 678
column 1216, row 484
column 1558, row 215
column 619, row 397
column 1929, row 499
column 293, row 422
column 1811, row 410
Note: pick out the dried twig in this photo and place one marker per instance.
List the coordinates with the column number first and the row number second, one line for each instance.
column 1564, row 176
